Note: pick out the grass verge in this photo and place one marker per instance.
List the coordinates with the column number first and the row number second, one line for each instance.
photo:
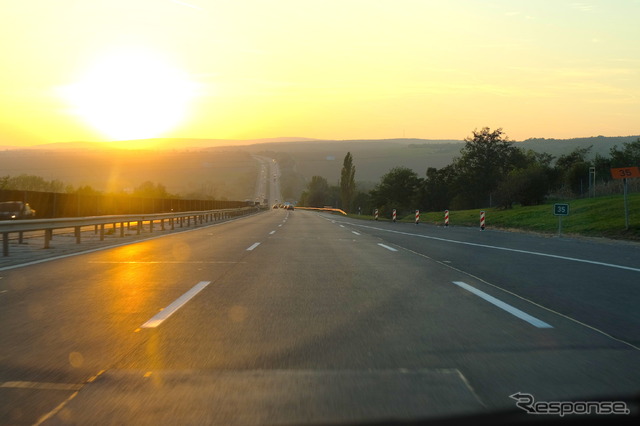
column 592, row 217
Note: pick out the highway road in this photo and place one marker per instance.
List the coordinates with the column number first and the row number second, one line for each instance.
column 309, row 318
column 268, row 182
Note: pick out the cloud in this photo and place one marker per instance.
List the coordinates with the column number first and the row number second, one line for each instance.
column 583, row 7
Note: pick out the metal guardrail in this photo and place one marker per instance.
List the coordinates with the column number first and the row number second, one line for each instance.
column 8, row 227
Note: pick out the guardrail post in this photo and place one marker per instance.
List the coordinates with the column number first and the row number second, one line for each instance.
column 95, row 230
column 138, row 226
column 20, row 237
column 173, row 222
column 102, row 232
column 48, row 234
column 77, row 232
column 151, row 226
column 5, row 244
column 121, row 229
column 162, row 224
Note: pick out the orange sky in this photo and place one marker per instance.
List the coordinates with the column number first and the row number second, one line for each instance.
column 99, row 70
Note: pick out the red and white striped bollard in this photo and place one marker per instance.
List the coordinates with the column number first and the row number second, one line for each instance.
column 394, row 215
column 417, row 216
column 375, row 214
column 446, row 218
column 482, row 220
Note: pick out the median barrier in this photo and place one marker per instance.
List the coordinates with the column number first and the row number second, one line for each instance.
column 8, row 227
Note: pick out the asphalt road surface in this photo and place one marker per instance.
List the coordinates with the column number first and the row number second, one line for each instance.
column 268, row 181
column 307, row 318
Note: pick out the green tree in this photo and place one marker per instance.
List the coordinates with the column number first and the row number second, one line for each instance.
column 317, row 193
column 26, row 182
column 151, row 190
column 628, row 156
column 435, row 193
column 347, row 182
column 397, row 189
column 527, row 186
column 486, row 159
column 572, row 170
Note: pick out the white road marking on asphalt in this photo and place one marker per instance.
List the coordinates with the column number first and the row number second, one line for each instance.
column 502, row 305
column 354, row 232
column 387, row 247
column 254, row 245
column 279, row 225
column 56, row 410
column 535, row 253
column 567, row 317
column 272, row 232
column 173, row 307
column 341, row 226
column 41, row 385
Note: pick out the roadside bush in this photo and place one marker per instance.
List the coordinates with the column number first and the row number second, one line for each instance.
column 525, row 186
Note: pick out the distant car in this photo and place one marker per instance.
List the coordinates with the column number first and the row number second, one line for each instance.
column 275, row 206
column 289, row 206
column 10, row 210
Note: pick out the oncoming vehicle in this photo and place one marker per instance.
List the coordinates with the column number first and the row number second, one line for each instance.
column 11, row 210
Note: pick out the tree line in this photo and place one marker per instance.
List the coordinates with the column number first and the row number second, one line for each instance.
column 491, row 171
column 26, row 182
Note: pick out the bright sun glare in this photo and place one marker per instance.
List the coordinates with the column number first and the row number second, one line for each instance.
column 131, row 94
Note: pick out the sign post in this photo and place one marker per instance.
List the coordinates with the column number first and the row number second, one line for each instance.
column 560, row 210
column 624, row 173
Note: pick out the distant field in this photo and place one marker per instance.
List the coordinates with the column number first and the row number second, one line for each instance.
column 597, row 217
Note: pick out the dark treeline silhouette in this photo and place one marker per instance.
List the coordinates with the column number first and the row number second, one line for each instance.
column 491, row 171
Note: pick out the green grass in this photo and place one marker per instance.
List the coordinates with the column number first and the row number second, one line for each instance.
column 594, row 217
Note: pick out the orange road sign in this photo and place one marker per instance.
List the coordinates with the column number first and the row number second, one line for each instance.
column 625, row 172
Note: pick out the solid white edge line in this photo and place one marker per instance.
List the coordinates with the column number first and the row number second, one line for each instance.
column 387, row 247
column 173, row 307
column 567, row 317
column 272, row 232
column 354, row 232
column 504, row 306
column 254, row 245
column 534, row 253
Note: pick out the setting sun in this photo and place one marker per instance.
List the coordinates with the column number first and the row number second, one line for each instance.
column 106, row 70
column 131, row 94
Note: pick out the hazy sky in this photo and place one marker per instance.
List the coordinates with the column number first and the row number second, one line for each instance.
column 100, row 70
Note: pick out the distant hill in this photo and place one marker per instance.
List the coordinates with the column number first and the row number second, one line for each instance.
column 162, row 143
column 601, row 144
column 223, row 174
column 373, row 158
column 224, row 168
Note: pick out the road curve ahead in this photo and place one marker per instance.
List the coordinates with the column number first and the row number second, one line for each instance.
column 296, row 317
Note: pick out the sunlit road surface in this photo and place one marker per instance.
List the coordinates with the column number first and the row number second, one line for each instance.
column 299, row 317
